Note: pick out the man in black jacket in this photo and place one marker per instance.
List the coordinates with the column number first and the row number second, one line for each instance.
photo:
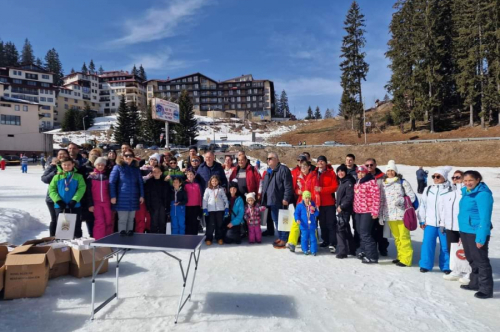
column 209, row 168
column 345, row 200
column 351, row 166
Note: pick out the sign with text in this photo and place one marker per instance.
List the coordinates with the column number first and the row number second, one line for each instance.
column 164, row 110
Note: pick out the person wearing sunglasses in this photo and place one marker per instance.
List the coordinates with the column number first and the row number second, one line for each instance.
column 126, row 189
column 193, row 153
column 428, row 216
column 173, row 171
column 449, row 204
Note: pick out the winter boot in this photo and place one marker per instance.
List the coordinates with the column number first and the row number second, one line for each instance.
column 332, row 249
column 481, row 295
column 453, row 276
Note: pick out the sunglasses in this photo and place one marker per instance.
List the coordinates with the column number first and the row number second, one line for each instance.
column 128, row 155
column 195, row 161
column 436, row 176
column 173, row 162
column 456, row 177
column 369, row 165
column 270, row 158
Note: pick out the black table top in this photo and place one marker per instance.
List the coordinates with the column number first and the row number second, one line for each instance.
column 151, row 241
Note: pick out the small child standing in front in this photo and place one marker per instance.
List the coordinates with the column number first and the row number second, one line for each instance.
column 252, row 216
column 216, row 208
column 98, row 199
column 178, row 208
column 305, row 215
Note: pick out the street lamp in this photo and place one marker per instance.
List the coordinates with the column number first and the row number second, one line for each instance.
column 84, row 132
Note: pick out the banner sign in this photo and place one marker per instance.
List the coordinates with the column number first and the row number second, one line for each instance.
column 165, row 110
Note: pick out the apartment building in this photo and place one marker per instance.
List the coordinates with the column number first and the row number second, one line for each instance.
column 242, row 97
column 114, row 84
column 34, row 84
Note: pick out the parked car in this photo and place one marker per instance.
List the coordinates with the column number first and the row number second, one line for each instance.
column 330, row 143
column 284, row 144
column 12, row 160
column 256, row 147
column 115, row 147
column 224, row 148
column 237, row 145
column 203, row 147
column 153, row 147
column 214, row 147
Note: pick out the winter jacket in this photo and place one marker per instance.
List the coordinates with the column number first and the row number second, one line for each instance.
column 237, row 212
column 476, row 207
column 179, row 196
column 252, row 214
column 193, row 193
column 146, row 172
column 215, row 199
column 174, row 173
column 352, row 172
column 367, row 196
column 327, row 180
column 392, row 202
column 277, row 186
column 345, row 194
column 421, row 175
column 301, row 213
column 187, row 162
column 428, row 211
column 126, row 185
column 97, row 188
column 157, row 194
column 252, row 177
column 303, row 183
column 48, row 175
column 24, row 160
column 205, row 172
column 75, row 184
column 449, row 206
column 80, row 165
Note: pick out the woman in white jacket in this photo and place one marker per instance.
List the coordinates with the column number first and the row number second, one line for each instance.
column 216, row 208
column 448, row 220
column 428, row 215
column 392, row 210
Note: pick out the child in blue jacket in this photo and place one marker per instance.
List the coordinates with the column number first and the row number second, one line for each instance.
column 305, row 215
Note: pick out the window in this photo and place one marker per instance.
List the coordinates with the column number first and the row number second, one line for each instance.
column 195, row 93
column 168, row 87
column 31, row 76
column 17, row 108
column 46, row 115
column 65, row 99
column 230, row 92
column 112, row 104
column 190, row 79
column 13, row 120
column 254, row 105
column 183, row 80
column 150, row 88
column 50, row 100
column 4, row 105
column 196, row 86
column 254, row 98
column 32, row 83
column 238, row 99
column 168, row 94
column 76, row 101
column 177, row 87
column 197, row 100
column 25, row 108
column 43, row 99
column 15, row 80
column 66, row 106
column 233, row 106
column 195, row 78
column 184, row 86
column 238, row 106
column 47, row 85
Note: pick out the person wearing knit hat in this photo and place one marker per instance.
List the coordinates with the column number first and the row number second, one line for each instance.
column 252, row 218
column 344, row 200
column 98, row 200
column 391, row 166
column 305, row 215
column 101, row 160
column 250, row 196
column 429, row 222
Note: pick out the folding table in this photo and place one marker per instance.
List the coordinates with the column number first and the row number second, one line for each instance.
column 154, row 242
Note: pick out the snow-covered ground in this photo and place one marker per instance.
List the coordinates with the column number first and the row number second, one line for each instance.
column 250, row 287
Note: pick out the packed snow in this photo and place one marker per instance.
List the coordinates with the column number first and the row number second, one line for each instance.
column 248, row 287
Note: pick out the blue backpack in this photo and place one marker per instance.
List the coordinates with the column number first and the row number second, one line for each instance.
column 415, row 204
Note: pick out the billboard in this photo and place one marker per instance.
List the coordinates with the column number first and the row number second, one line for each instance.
column 165, row 110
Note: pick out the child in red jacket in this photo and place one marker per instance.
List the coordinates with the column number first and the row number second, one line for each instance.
column 98, row 199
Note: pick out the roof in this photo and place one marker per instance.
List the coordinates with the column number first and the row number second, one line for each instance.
column 80, row 72
column 31, row 67
column 19, row 101
column 181, row 77
column 234, row 78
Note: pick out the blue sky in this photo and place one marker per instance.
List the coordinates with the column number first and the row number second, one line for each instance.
column 295, row 43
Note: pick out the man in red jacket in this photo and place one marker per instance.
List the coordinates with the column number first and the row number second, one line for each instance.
column 326, row 186
column 247, row 176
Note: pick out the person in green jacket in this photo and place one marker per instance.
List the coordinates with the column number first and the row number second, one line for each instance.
column 66, row 190
column 173, row 171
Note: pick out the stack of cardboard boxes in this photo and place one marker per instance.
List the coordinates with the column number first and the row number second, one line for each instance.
column 25, row 270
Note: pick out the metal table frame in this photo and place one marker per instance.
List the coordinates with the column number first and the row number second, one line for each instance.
column 123, row 249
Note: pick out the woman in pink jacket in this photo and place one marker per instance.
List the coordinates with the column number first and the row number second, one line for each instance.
column 193, row 206
column 98, row 199
column 366, row 207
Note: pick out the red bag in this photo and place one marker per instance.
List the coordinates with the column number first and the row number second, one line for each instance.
column 410, row 216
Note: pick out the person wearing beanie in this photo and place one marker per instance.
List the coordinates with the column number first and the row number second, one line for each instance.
column 366, row 205
column 428, row 215
column 324, row 190
column 236, row 214
column 252, row 218
column 345, row 198
column 305, row 216
column 392, row 211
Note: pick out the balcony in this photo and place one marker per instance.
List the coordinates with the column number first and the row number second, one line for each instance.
column 104, row 93
column 25, row 90
column 23, row 97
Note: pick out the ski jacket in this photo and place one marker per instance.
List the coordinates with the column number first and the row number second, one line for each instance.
column 421, row 175
column 476, row 207
column 193, row 193
column 215, row 199
column 179, row 196
column 252, row 177
column 157, row 194
column 302, row 183
column 252, row 214
column 277, row 186
column 449, row 204
column 126, row 185
column 345, row 194
column 237, row 212
column 392, row 202
column 307, row 219
column 428, row 211
column 327, row 180
column 97, row 188
column 206, row 172
column 367, row 196
column 48, row 175
column 72, row 181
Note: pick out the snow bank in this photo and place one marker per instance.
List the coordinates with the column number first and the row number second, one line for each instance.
column 104, row 123
column 16, row 224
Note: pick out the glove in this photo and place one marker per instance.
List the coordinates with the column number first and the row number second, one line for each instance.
column 205, row 212
column 441, row 229
column 61, row 204
column 381, row 222
column 226, row 213
column 72, row 204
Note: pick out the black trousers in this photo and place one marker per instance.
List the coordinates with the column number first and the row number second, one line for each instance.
column 53, row 218
column 345, row 241
column 233, row 234
column 215, row 221
column 365, row 226
column 481, row 276
column 378, row 234
column 158, row 220
column 192, row 214
column 452, row 237
column 78, row 226
column 328, row 224
column 357, row 240
column 421, row 186
column 270, row 221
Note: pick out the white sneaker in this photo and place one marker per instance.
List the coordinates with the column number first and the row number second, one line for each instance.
column 453, row 276
column 464, row 280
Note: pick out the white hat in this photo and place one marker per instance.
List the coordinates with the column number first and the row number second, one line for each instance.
column 391, row 166
column 444, row 171
column 155, row 156
column 101, row 160
column 250, row 195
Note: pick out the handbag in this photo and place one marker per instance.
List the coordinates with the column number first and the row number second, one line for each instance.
column 410, row 216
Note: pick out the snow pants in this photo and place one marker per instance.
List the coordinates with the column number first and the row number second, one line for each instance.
column 428, row 249
column 293, row 237
column 142, row 219
column 308, row 240
column 178, row 218
column 53, row 218
column 365, row 226
column 402, row 240
column 345, row 241
column 103, row 220
column 481, row 276
column 215, row 222
column 254, row 234
column 192, row 214
column 328, row 224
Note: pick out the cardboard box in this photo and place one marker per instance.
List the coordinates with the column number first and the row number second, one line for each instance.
column 62, row 254
column 27, row 271
column 81, row 261
column 3, row 256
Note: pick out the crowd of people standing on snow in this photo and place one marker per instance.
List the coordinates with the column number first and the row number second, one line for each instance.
column 119, row 192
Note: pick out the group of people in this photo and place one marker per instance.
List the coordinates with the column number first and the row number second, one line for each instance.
column 126, row 194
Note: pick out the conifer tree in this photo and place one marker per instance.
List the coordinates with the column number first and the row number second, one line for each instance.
column 285, row 109
column 310, row 115
column 278, row 112
column 92, row 67
column 54, row 65
column 70, row 120
column 122, row 133
column 87, row 117
column 27, row 56
column 135, row 71
column 328, row 114
column 39, row 62
column 134, row 123
column 101, row 70
column 72, row 71
column 2, row 54
column 84, row 68
column 11, row 55
column 317, row 113
column 142, row 73
column 187, row 129
column 150, row 129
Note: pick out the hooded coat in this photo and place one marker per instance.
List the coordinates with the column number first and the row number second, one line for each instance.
column 476, row 207
column 126, row 185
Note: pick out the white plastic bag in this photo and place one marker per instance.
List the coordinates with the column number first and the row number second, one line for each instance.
column 458, row 262
column 285, row 218
column 66, row 224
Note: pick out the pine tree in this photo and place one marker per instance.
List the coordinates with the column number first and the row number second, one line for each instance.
column 142, row 73
column 11, row 55
column 84, row 68
column 39, row 62
column 387, row 98
column 70, row 120
column 187, row 129
column 2, row 54
column 317, row 113
column 122, row 134
column 134, row 123
column 285, row 109
column 328, row 114
column 310, row 115
column 278, row 112
column 353, row 67
column 27, row 56
column 150, row 129
column 101, row 70
column 54, row 65
column 135, row 71
column 92, row 67
column 72, row 71
column 88, row 117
